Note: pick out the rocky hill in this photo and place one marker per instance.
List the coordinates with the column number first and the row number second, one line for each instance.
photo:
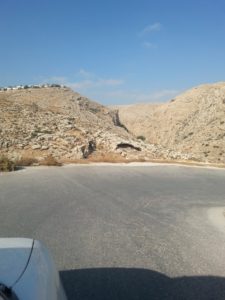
column 193, row 122
column 38, row 122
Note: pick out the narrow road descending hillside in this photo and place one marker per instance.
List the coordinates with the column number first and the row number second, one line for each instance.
column 124, row 232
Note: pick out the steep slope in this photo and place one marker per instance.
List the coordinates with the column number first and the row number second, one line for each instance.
column 56, row 121
column 193, row 122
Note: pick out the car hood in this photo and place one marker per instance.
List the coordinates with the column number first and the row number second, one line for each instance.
column 14, row 257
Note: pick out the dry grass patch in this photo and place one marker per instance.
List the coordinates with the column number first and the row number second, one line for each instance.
column 82, row 161
column 26, row 161
column 97, row 157
column 107, row 157
column 50, row 161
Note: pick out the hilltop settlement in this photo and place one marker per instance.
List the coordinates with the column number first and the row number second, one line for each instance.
column 33, row 86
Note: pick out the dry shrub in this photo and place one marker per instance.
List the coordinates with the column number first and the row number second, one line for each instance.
column 50, row 161
column 141, row 137
column 6, row 165
column 26, row 161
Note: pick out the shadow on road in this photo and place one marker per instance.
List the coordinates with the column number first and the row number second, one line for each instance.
column 138, row 284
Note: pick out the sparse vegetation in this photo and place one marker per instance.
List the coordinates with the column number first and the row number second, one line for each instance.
column 141, row 137
column 34, row 134
column 6, row 165
column 94, row 110
column 46, row 131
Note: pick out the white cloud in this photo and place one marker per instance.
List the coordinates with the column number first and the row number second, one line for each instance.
column 129, row 97
column 84, row 84
column 99, row 83
column 159, row 95
column 85, row 73
column 111, row 90
column 86, row 81
column 89, row 80
column 149, row 45
column 54, row 79
column 109, row 82
column 151, row 28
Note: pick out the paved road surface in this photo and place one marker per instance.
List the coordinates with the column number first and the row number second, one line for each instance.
column 123, row 232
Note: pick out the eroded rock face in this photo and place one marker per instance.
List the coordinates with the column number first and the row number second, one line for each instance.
column 59, row 122
column 193, row 122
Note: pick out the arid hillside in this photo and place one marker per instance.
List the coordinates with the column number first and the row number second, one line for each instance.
column 55, row 121
column 193, row 122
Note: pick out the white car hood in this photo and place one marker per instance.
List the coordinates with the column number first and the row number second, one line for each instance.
column 14, row 257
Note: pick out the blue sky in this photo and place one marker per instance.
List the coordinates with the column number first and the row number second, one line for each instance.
column 120, row 51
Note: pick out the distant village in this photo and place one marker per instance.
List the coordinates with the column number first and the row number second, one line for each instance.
column 34, row 86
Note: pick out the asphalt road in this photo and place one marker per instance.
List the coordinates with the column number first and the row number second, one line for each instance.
column 123, row 232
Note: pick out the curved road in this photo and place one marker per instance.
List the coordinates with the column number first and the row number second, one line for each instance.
column 124, row 232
